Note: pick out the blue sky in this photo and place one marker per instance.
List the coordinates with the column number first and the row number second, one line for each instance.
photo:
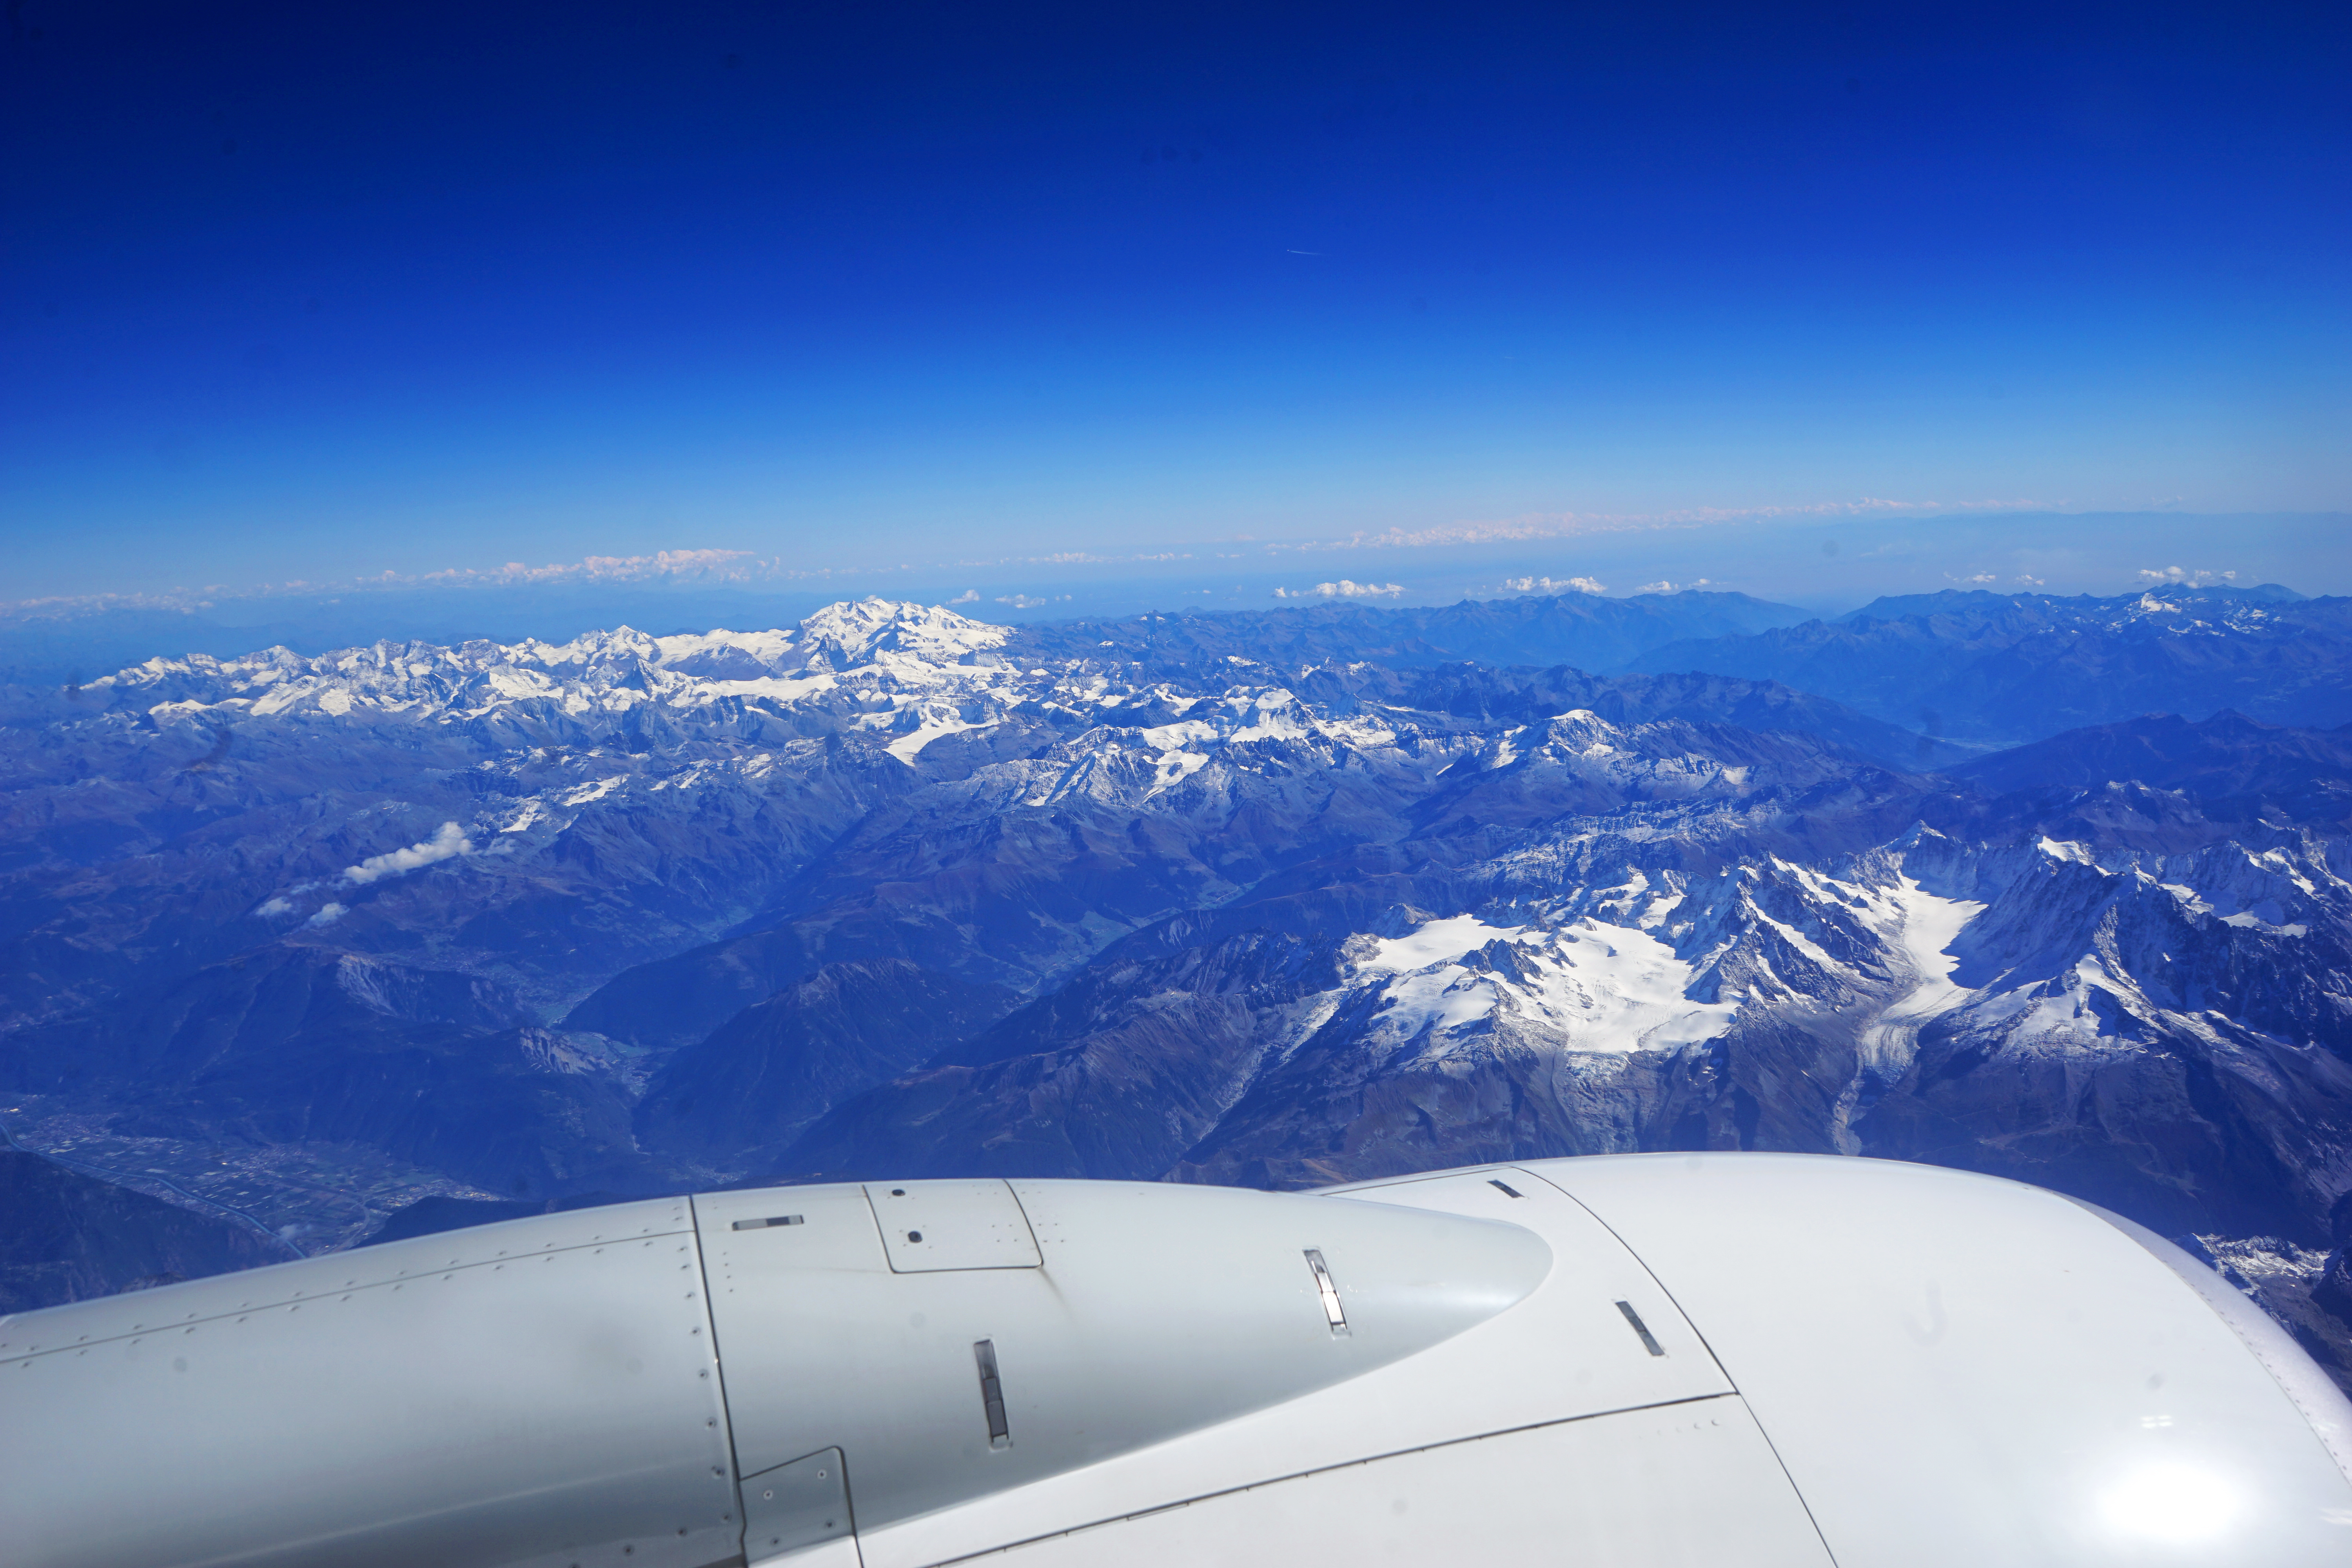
column 297, row 293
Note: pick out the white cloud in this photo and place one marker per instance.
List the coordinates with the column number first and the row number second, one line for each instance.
column 1660, row 586
column 1023, row 602
column 448, row 842
column 1342, row 589
column 1979, row 577
column 329, row 915
column 968, row 597
column 283, row 904
column 2197, row 579
column 2031, row 581
column 1570, row 586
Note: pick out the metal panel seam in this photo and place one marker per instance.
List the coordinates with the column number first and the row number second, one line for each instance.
column 1341, row 1464
column 336, row 1293
column 1026, row 1223
column 1774, row 1448
column 719, row 1361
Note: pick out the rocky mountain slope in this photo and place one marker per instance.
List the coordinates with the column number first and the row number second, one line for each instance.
column 69, row 1237
column 895, row 890
column 2165, row 1032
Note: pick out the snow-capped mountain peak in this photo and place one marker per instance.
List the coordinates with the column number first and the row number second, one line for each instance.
column 853, row 632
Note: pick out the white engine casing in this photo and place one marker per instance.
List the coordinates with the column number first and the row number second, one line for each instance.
column 1667, row 1359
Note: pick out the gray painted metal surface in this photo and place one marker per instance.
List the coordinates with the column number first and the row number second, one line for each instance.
column 797, row 1505
column 1157, row 1309
column 935, row 1226
column 538, row 1391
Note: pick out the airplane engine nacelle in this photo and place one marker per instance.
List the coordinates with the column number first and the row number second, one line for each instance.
column 1645, row 1359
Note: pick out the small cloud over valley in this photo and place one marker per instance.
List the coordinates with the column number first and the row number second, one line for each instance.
column 450, row 842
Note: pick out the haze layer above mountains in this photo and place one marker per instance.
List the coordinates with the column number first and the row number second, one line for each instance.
column 1278, row 899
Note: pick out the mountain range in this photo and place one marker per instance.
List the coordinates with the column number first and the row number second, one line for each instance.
column 1279, row 899
column 1999, row 669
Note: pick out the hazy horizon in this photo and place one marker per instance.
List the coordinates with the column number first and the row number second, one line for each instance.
column 1825, row 566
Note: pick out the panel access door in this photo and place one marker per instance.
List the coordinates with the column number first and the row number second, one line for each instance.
column 928, row 1227
column 795, row 1506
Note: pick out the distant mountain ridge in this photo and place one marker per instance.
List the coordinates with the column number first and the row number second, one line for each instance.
column 56, row 648
column 1585, row 630
column 1997, row 669
column 2234, row 767
column 1986, row 601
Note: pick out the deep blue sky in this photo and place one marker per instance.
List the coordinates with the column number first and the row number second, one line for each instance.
column 324, row 290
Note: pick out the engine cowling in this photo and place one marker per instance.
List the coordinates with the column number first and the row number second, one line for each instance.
column 1671, row 1359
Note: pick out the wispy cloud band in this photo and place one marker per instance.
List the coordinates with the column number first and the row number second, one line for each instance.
column 728, row 567
column 1571, row 524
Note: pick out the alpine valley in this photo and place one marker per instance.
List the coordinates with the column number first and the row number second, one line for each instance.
column 294, row 949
